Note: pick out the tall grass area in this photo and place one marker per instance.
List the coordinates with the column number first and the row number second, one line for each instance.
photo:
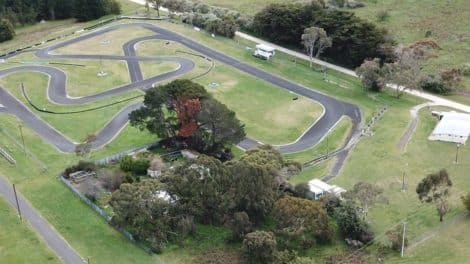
column 445, row 21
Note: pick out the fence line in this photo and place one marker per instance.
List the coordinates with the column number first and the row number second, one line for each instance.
column 103, row 214
column 7, row 156
column 118, row 156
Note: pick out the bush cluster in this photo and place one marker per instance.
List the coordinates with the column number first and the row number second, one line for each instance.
column 217, row 20
column 136, row 166
column 21, row 12
column 7, row 31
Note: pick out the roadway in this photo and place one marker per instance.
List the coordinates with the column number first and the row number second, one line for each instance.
column 57, row 92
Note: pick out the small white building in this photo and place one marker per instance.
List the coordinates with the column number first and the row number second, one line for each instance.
column 264, row 51
column 452, row 127
column 318, row 188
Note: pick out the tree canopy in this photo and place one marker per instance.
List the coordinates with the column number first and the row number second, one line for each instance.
column 353, row 39
column 435, row 188
column 7, row 31
column 183, row 111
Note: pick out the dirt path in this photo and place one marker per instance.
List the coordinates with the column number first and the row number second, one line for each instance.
column 405, row 138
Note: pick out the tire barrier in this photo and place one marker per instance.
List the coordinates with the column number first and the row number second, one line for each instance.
column 43, row 110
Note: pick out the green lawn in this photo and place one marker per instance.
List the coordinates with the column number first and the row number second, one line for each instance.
column 269, row 113
column 17, row 239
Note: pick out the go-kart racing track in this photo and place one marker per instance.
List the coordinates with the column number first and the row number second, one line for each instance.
column 334, row 109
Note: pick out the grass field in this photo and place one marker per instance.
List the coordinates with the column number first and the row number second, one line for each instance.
column 109, row 43
column 269, row 113
column 17, row 238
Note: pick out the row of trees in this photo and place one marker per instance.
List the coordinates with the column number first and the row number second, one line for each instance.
column 352, row 38
column 21, row 12
column 406, row 71
column 182, row 113
column 240, row 195
column 203, row 191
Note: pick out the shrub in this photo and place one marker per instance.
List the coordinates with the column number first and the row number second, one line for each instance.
column 126, row 163
column 302, row 190
column 465, row 69
column 382, row 15
column 111, row 180
column 240, row 225
column 112, row 7
column 395, row 236
column 260, row 246
column 7, row 31
column 350, row 224
column 433, row 84
column 337, row 3
column 466, row 201
column 140, row 166
column 330, row 203
column 452, row 78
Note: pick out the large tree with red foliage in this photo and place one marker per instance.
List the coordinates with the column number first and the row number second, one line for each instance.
column 187, row 109
column 183, row 111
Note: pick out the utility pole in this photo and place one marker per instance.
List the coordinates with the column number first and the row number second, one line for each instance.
column 22, row 137
column 403, row 240
column 327, row 147
column 17, row 203
column 457, row 154
column 403, row 182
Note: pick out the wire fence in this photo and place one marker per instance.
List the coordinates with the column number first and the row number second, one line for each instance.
column 118, row 156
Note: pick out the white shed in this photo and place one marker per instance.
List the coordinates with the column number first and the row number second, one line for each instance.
column 452, row 127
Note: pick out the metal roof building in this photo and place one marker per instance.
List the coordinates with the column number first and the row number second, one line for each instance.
column 452, row 127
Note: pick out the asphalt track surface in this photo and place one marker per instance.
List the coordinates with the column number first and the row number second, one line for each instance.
column 334, row 108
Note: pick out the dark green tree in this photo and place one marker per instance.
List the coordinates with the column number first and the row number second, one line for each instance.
column 200, row 186
column 7, row 31
column 159, row 114
column 435, row 188
column 254, row 189
column 218, row 127
column 350, row 224
column 183, row 111
column 143, row 210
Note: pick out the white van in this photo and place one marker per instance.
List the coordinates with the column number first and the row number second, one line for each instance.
column 264, row 51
